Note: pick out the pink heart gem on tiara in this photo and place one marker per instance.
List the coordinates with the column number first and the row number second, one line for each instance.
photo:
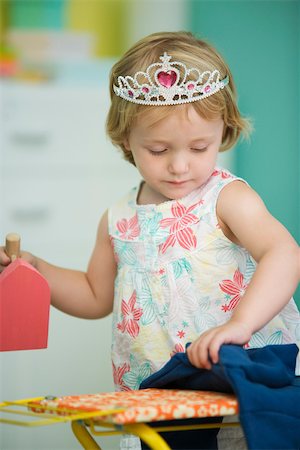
column 167, row 79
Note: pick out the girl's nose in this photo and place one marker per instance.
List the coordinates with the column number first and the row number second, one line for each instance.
column 178, row 164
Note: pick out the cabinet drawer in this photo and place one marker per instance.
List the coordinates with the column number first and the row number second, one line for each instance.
column 49, row 211
column 54, row 126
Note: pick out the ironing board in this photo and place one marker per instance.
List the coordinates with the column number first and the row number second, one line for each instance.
column 124, row 412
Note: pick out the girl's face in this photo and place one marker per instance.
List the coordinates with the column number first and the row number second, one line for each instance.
column 175, row 155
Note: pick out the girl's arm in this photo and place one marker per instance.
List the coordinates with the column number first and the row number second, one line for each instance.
column 245, row 220
column 86, row 295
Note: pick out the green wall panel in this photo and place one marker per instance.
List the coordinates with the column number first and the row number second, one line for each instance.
column 260, row 41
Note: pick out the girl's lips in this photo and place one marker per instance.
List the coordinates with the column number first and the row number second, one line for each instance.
column 177, row 183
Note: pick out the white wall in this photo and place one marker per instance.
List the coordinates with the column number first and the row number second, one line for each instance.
column 150, row 16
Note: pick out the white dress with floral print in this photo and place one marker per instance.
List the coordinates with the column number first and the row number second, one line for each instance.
column 178, row 275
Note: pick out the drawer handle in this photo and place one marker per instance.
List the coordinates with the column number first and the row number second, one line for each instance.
column 33, row 140
column 30, row 215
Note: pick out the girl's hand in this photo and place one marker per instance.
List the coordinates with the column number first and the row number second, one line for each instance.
column 5, row 260
column 205, row 350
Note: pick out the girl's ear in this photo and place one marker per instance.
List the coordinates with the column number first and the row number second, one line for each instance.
column 126, row 144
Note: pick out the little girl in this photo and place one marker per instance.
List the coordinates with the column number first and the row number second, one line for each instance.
column 191, row 254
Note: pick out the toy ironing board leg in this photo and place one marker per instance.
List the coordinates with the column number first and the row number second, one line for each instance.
column 148, row 435
column 143, row 431
column 84, row 437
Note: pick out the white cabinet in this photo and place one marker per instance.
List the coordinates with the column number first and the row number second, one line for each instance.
column 58, row 175
column 50, row 126
column 59, row 172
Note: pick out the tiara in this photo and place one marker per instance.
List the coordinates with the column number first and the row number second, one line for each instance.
column 169, row 83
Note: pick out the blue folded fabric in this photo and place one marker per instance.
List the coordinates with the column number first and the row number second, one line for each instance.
column 265, row 385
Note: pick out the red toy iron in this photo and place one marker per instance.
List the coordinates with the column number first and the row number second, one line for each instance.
column 24, row 303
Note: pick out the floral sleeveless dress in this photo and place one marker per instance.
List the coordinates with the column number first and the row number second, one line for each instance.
column 178, row 275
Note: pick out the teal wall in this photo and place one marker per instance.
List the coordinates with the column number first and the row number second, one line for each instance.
column 37, row 14
column 260, row 41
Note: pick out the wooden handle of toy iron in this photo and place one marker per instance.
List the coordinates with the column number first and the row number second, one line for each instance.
column 12, row 245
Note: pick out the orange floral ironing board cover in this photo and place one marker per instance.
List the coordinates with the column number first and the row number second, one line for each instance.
column 148, row 405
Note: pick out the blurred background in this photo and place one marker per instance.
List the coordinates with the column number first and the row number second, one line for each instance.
column 58, row 172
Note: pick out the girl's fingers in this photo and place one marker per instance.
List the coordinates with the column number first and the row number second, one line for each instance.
column 215, row 347
column 203, row 356
column 4, row 261
column 2, row 267
column 205, row 350
column 198, row 352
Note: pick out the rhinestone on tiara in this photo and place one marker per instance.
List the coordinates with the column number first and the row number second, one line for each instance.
column 169, row 83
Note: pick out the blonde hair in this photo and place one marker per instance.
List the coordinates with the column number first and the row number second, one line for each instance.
column 193, row 52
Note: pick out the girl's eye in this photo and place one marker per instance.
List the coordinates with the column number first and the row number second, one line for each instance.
column 156, row 152
column 199, row 150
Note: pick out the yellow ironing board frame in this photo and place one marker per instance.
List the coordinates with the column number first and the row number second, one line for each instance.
column 87, row 423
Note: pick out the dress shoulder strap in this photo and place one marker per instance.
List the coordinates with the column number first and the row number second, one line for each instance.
column 210, row 193
column 122, row 210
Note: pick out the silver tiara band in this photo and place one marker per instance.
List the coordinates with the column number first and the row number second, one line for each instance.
column 165, row 84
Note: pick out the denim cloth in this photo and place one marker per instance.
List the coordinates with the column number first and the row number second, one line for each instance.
column 266, row 388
